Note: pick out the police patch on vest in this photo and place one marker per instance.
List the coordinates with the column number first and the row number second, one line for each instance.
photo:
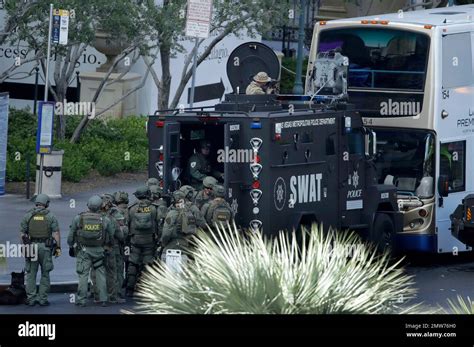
column 193, row 164
column 38, row 218
column 92, row 227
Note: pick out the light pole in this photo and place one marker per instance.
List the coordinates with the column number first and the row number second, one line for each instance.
column 298, row 87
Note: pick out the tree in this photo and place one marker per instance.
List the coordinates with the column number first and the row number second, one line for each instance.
column 122, row 19
column 229, row 17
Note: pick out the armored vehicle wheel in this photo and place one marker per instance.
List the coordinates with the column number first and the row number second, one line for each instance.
column 382, row 233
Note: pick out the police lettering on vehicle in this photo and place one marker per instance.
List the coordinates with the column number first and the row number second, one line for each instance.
column 305, row 188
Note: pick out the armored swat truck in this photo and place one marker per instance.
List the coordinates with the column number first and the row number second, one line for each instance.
column 283, row 167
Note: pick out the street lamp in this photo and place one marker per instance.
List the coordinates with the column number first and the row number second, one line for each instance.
column 298, row 87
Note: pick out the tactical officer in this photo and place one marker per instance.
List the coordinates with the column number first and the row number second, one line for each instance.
column 121, row 201
column 90, row 233
column 189, row 194
column 152, row 182
column 145, row 228
column 218, row 209
column 180, row 225
column 156, row 196
column 199, row 166
column 260, row 85
column 112, row 255
column 205, row 194
column 39, row 230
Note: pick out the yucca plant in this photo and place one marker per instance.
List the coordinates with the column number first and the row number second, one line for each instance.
column 461, row 306
column 233, row 272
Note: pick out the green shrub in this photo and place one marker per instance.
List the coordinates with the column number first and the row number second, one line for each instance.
column 104, row 146
column 237, row 273
column 288, row 78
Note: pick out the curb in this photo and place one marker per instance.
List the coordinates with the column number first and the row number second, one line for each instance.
column 58, row 287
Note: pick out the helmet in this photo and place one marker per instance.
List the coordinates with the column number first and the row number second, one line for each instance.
column 219, row 191
column 178, row 195
column 94, row 203
column 188, row 191
column 152, row 182
column 108, row 197
column 209, row 182
column 142, row 192
column 204, row 144
column 42, row 199
column 155, row 191
column 121, row 198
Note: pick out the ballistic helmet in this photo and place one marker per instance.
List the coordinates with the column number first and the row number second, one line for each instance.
column 42, row 199
column 94, row 203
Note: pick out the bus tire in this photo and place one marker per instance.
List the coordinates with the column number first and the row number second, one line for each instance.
column 382, row 233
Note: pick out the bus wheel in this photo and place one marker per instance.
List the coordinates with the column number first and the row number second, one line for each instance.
column 382, row 234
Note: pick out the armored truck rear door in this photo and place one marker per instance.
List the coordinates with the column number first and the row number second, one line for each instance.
column 234, row 158
column 172, row 156
column 352, row 177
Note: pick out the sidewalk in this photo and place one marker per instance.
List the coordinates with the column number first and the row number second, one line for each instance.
column 12, row 209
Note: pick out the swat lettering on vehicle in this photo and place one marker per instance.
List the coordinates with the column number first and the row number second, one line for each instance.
column 305, row 188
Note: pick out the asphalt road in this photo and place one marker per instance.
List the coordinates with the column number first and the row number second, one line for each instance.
column 437, row 277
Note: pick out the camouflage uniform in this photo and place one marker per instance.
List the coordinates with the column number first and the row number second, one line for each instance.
column 39, row 226
column 189, row 193
column 112, row 255
column 205, row 194
column 89, row 234
column 199, row 167
column 180, row 224
column 121, row 201
column 218, row 209
column 145, row 227
column 257, row 86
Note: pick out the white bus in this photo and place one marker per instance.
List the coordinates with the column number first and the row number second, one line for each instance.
column 411, row 75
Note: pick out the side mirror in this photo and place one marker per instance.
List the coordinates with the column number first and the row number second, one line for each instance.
column 443, row 185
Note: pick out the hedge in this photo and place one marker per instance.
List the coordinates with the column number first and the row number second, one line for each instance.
column 118, row 145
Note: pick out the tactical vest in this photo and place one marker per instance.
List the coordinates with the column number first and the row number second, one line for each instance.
column 38, row 225
column 219, row 212
column 186, row 222
column 143, row 219
column 91, row 230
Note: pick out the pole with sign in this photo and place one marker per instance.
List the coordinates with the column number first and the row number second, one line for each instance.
column 57, row 33
column 198, row 23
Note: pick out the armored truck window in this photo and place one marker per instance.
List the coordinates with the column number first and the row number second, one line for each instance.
column 453, row 164
column 457, row 61
column 174, row 138
column 356, row 142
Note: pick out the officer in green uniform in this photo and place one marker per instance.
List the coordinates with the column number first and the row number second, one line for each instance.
column 189, row 194
column 40, row 233
column 152, row 182
column 218, row 210
column 205, row 194
column 89, row 234
column 145, row 228
column 121, row 202
column 156, row 196
column 112, row 255
column 199, row 166
column 180, row 225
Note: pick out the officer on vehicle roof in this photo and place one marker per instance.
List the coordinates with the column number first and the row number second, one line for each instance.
column 260, row 85
column 199, row 166
column 39, row 227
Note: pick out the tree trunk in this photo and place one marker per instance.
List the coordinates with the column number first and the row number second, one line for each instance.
column 164, row 91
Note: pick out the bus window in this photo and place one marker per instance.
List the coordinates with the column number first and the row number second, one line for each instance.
column 453, row 164
column 457, row 61
column 380, row 58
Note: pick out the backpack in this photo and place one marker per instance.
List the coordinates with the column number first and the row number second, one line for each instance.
column 38, row 226
column 219, row 212
column 143, row 218
column 187, row 220
column 91, row 229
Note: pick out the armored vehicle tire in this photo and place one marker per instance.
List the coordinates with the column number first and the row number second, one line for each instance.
column 382, row 233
